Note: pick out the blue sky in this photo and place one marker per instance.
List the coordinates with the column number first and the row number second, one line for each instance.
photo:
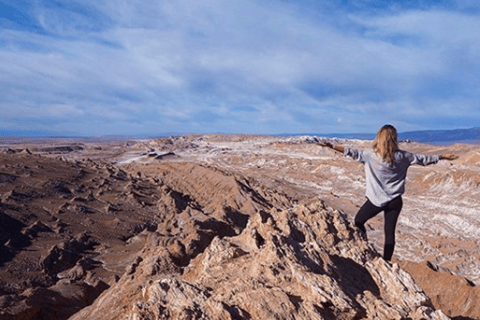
column 131, row 67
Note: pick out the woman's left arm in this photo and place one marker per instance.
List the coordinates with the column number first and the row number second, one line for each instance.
column 425, row 160
column 448, row 156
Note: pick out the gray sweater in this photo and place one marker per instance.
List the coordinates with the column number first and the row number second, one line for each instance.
column 386, row 181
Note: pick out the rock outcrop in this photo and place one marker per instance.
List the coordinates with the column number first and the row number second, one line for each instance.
column 455, row 295
column 302, row 263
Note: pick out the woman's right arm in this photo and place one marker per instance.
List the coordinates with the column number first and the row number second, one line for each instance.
column 331, row 146
column 358, row 155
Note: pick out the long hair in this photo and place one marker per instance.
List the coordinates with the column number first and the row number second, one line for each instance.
column 386, row 143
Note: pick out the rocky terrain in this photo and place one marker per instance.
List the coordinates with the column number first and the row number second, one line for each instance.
column 228, row 227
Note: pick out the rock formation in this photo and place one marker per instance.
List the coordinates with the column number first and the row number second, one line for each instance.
column 224, row 227
column 302, row 263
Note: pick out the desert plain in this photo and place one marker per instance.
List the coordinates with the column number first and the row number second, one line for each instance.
column 229, row 227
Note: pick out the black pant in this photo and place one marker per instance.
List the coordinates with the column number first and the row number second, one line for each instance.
column 392, row 211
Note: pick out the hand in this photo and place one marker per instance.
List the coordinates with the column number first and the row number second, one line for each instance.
column 448, row 156
column 325, row 144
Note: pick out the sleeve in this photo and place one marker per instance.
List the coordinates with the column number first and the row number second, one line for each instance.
column 357, row 155
column 423, row 160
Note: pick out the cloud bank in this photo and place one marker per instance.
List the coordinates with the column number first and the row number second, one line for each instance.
column 158, row 67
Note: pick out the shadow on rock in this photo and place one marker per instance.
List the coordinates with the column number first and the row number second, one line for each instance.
column 11, row 237
column 236, row 217
column 218, row 227
column 66, row 254
column 182, row 201
column 55, row 303
column 354, row 278
column 305, row 259
column 237, row 313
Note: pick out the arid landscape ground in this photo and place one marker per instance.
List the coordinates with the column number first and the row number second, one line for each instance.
column 229, row 227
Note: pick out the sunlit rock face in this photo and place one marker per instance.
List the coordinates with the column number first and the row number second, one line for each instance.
column 227, row 227
column 304, row 262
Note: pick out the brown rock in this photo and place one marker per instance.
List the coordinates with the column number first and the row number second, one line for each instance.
column 455, row 295
column 310, row 264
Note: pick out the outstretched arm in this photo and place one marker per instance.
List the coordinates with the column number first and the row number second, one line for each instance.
column 448, row 156
column 329, row 145
column 426, row 160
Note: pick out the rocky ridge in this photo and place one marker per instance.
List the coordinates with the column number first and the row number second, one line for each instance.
column 219, row 227
column 301, row 263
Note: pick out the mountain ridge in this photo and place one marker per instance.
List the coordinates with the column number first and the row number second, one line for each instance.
column 471, row 135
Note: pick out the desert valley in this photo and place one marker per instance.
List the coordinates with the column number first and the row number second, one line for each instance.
column 229, row 227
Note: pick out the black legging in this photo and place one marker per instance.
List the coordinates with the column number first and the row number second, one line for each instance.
column 392, row 211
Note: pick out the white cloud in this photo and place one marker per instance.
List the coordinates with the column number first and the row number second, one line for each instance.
column 177, row 63
column 62, row 110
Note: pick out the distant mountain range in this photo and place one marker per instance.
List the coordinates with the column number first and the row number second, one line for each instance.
column 471, row 135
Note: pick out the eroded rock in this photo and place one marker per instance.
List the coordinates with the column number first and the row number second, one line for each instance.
column 311, row 264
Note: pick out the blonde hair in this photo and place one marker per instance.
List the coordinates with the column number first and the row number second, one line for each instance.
column 386, row 143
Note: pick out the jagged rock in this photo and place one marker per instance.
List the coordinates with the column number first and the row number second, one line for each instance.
column 11, row 151
column 65, row 255
column 54, row 303
column 456, row 295
column 7, row 178
column 165, row 156
column 310, row 265
column 35, row 228
column 61, row 149
column 79, row 271
column 25, row 151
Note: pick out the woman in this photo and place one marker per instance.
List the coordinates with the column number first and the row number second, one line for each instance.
column 385, row 170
